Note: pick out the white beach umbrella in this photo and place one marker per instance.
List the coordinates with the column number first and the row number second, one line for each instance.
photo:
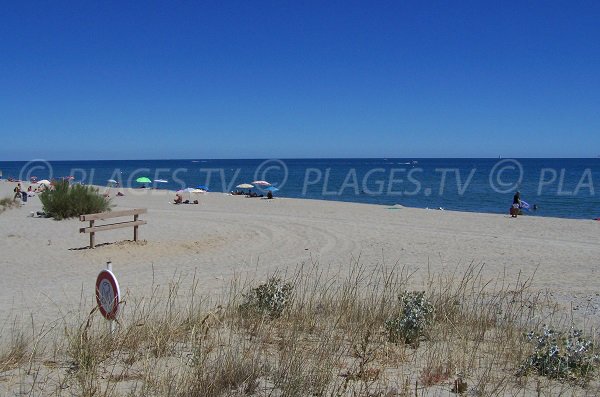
column 190, row 191
column 261, row 183
column 44, row 182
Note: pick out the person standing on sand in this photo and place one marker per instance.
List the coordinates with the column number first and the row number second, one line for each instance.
column 516, row 205
column 17, row 191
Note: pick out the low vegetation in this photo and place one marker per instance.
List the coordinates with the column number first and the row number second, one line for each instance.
column 7, row 203
column 68, row 201
column 270, row 298
column 414, row 316
column 561, row 355
column 314, row 333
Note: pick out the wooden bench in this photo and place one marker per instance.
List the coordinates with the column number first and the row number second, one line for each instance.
column 92, row 229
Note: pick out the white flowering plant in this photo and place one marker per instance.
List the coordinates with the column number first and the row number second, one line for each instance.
column 560, row 355
column 270, row 298
column 415, row 314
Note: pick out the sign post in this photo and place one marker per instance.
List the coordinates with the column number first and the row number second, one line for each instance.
column 108, row 295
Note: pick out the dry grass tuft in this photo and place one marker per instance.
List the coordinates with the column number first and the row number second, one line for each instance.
column 8, row 203
column 15, row 354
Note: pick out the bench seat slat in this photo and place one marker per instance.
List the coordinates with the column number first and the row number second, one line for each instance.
column 111, row 226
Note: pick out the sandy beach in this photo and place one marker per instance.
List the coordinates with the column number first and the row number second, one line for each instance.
column 49, row 274
column 398, row 138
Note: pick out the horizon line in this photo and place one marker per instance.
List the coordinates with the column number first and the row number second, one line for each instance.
column 303, row 158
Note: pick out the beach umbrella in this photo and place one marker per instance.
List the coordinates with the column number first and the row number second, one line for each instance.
column 44, row 182
column 143, row 179
column 245, row 186
column 111, row 181
column 161, row 181
column 272, row 189
column 189, row 191
column 261, row 183
column 205, row 188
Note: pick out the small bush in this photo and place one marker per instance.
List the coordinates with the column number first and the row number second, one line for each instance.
column 415, row 314
column 269, row 298
column 66, row 201
column 560, row 355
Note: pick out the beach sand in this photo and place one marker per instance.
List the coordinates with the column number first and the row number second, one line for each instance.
column 49, row 274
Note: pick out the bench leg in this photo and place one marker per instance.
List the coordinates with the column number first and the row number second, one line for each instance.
column 92, row 236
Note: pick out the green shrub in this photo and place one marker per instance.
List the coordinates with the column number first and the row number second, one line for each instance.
column 269, row 298
column 560, row 355
column 66, row 201
column 415, row 314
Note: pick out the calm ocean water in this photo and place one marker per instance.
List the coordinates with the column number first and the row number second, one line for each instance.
column 566, row 188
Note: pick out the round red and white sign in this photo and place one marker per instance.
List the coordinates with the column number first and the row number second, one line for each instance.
column 108, row 294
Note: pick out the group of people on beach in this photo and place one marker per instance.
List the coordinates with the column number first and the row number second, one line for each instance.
column 179, row 200
column 20, row 193
column 250, row 194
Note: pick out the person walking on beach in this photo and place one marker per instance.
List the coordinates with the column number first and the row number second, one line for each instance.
column 516, row 205
column 17, row 191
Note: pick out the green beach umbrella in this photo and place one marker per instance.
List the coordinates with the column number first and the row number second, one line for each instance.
column 143, row 179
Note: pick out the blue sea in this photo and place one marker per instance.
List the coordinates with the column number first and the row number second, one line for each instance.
column 567, row 188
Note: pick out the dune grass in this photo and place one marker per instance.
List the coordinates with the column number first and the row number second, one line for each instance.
column 8, row 203
column 311, row 333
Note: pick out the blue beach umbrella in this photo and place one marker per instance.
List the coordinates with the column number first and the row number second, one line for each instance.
column 272, row 189
column 203, row 187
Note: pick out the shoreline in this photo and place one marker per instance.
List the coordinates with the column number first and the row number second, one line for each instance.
column 527, row 214
column 561, row 188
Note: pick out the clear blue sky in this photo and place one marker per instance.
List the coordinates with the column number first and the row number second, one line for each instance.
column 254, row 79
